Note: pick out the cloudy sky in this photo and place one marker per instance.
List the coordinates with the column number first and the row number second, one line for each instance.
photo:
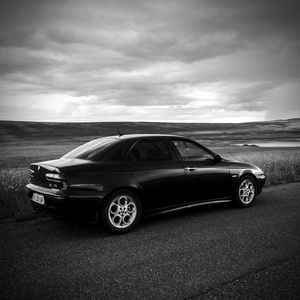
column 187, row 61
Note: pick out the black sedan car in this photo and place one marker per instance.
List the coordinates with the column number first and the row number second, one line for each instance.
column 117, row 179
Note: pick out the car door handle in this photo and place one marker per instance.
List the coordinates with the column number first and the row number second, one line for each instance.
column 190, row 169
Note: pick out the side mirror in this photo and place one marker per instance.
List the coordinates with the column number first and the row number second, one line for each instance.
column 218, row 158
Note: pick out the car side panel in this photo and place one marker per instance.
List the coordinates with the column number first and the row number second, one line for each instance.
column 104, row 181
column 162, row 182
column 207, row 180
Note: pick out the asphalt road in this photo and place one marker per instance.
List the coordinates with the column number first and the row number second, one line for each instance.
column 212, row 252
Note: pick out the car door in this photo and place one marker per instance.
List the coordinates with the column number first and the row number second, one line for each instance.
column 205, row 177
column 158, row 172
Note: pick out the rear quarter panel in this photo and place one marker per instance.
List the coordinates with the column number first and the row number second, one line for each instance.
column 106, row 177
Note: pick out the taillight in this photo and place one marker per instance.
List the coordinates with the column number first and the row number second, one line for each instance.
column 57, row 181
column 31, row 173
column 55, row 177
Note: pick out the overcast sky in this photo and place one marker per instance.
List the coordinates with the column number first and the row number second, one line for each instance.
column 187, row 61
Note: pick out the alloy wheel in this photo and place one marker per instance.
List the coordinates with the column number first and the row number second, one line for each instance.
column 246, row 191
column 122, row 211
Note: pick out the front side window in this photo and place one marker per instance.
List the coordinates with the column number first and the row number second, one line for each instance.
column 191, row 151
column 144, row 151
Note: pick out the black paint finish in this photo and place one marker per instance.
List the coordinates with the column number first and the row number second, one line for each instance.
column 160, row 176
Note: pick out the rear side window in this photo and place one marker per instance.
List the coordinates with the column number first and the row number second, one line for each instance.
column 150, row 151
column 191, row 151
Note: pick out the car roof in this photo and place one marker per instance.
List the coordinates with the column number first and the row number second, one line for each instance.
column 137, row 136
column 140, row 135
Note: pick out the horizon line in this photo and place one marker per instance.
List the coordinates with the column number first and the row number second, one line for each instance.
column 180, row 122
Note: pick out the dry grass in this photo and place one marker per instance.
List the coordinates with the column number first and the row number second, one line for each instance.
column 13, row 200
column 279, row 165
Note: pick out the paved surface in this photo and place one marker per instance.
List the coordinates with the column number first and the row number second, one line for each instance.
column 212, row 252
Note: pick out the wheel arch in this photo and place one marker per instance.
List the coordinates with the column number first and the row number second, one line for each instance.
column 248, row 173
column 129, row 188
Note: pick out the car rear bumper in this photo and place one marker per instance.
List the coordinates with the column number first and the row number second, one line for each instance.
column 79, row 205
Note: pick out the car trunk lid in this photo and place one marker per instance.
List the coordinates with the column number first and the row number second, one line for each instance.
column 48, row 175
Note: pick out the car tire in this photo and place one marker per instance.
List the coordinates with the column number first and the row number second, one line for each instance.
column 246, row 191
column 121, row 212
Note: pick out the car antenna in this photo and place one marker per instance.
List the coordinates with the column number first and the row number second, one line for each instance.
column 119, row 132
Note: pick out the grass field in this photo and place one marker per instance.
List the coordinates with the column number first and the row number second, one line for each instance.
column 30, row 144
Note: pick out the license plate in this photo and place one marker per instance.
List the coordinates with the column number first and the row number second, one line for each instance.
column 38, row 198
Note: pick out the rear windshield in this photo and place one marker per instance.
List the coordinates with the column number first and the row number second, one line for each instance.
column 91, row 150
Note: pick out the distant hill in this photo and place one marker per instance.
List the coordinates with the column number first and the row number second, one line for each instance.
column 285, row 130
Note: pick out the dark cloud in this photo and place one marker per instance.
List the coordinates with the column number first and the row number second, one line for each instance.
column 182, row 58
